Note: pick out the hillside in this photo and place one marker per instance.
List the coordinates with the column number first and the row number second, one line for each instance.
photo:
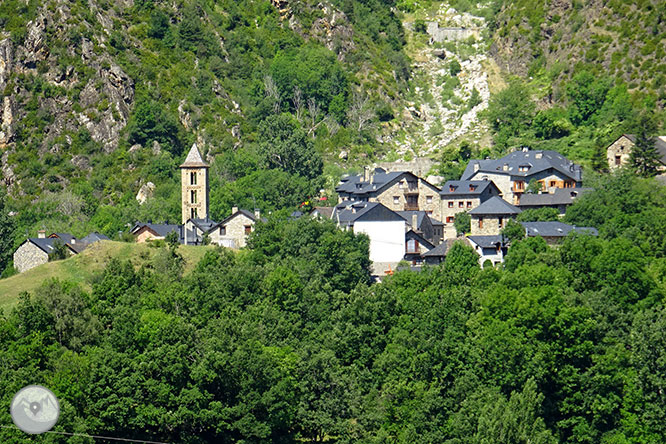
column 84, row 268
column 625, row 40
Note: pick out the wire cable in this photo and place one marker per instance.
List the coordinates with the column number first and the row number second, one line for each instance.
column 85, row 435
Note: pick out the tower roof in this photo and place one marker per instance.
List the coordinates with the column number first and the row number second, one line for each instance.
column 193, row 159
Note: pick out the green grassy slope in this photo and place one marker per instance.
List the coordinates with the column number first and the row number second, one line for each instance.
column 83, row 267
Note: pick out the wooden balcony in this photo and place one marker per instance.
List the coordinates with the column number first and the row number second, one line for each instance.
column 413, row 207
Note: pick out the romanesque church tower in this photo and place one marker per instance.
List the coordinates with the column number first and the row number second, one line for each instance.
column 194, row 186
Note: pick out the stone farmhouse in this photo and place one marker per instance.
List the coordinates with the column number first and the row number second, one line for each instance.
column 489, row 218
column 457, row 196
column 397, row 191
column 513, row 172
column 37, row 250
column 618, row 153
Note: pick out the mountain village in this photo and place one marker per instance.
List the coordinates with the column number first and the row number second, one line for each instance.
column 408, row 220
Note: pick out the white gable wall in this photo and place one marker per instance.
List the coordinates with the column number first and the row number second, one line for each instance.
column 387, row 239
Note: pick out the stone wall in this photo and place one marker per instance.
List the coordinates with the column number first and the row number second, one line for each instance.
column 622, row 148
column 387, row 198
column 28, row 256
column 491, row 225
column 234, row 232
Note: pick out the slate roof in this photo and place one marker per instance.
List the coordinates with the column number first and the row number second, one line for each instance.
column 436, row 223
column 347, row 213
column 204, row 224
column 560, row 196
column 536, row 161
column 94, row 237
column 380, row 179
column 439, row 251
column 495, row 205
column 46, row 244
column 325, row 212
column 194, row 159
column 659, row 142
column 462, row 187
column 411, row 234
column 65, row 237
column 554, row 229
column 407, row 215
column 486, row 241
column 356, row 184
column 160, row 229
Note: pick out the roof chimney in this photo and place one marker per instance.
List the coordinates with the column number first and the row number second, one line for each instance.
column 41, row 234
column 234, row 210
column 257, row 213
column 538, row 155
column 525, row 149
column 476, row 166
column 415, row 221
column 505, row 167
column 366, row 174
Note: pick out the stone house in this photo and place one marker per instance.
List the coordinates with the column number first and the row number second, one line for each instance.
column 457, row 196
column 36, row 250
column 397, row 191
column 491, row 216
column 513, row 172
column 618, row 153
column 232, row 232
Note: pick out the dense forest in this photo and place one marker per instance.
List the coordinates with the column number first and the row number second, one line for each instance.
column 287, row 341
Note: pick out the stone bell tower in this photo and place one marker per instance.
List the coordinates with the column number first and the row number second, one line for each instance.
column 194, row 186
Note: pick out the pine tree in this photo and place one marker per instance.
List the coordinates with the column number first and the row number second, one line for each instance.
column 644, row 155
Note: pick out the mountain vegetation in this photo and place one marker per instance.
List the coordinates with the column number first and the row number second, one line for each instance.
column 287, row 342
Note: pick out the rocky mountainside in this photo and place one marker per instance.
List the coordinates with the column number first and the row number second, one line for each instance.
column 626, row 40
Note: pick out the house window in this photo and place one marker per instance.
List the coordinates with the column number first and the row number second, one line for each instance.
column 452, row 188
column 248, row 229
column 429, row 212
column 428, row 199
column 413, row 201
column 396, row 200
column 193, row 213
column 450, row 204
column 618, row 160
column 469, row 204
column 449, row 219
column 461, row 204
column 519, row 185
column 553, row 183
column 480, row 222
column 193, row 196
column 401, row 184
column 412, row 246
column 472, row 187
column 568, row 184
column 193, row 178
column 501, row 221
